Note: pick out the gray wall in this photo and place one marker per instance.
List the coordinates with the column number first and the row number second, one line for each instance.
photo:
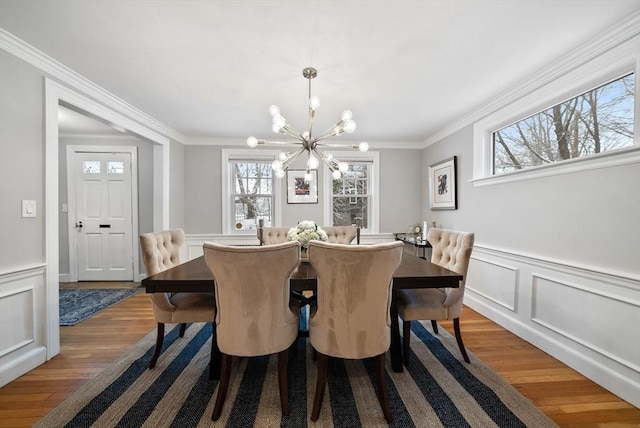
column 400, row 189
column 589, row 218
column 21, row 162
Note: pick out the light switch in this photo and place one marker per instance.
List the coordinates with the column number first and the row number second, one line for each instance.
column 28, row 208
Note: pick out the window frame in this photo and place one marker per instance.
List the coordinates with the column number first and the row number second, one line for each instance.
column 228, row 155
column 374, row 186
column 564, row 84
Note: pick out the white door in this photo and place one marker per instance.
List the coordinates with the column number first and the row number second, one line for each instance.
column 103, row 216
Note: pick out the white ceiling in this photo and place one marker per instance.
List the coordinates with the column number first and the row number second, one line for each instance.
column 407, row 69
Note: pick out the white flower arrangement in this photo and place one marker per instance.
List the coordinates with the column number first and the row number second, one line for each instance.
column 306, row 231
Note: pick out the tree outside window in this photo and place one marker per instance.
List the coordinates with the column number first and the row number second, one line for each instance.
column 350, row 197
column 597, row 121
column 252, row 194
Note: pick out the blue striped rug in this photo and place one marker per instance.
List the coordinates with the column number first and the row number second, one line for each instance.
column 439, row 389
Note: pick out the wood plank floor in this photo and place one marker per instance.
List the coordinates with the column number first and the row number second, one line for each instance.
column 87, row 348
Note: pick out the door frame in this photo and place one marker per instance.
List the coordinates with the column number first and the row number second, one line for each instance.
column 119, row 114
column 71, row 182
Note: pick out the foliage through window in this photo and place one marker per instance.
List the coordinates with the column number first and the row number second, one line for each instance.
column 351, row 196
column 252, row 195
column 597, row 121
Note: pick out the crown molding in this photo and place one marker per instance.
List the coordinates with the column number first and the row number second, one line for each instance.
column 48, row 65
column 596, row 46
column 342, row 144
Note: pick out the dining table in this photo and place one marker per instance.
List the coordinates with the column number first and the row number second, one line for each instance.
column 413, row 272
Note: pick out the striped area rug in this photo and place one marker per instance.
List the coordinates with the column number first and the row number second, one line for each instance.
column 439, row 389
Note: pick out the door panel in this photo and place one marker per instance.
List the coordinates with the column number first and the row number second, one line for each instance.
column 103, row 189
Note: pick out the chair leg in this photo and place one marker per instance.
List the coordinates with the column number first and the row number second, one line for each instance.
column 183, row 327
column 406, row 341
column 383, row 396
column 283, row 358
column 159, row 340
column 456, row 328
column 434, row 326
column 222, row 386
column 320, row 383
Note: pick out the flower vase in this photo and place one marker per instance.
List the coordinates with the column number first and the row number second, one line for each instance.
column 304, row 254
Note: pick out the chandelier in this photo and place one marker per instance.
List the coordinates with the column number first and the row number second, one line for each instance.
column 309, row 143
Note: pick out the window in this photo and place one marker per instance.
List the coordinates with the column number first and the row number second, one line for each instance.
column 553, row 110
column 353, row 198
column 350, row 196
column 596, row 121
column 249, row 190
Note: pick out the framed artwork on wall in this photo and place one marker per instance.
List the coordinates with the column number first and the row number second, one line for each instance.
column 299, row 191
column 442, row 185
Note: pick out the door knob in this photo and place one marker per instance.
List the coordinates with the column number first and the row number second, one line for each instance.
column 79, row 225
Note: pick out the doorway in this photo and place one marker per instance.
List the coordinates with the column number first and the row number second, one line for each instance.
column 102, row 213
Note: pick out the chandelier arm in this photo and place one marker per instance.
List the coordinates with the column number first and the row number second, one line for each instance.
column 292, row 132
column 293, row 157
column 324, row 159
column 332, row 131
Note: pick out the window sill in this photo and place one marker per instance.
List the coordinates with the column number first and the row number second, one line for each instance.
column 614, row 158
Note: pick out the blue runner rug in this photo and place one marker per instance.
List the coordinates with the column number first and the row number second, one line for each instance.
column 78, row 304
column 438, row 390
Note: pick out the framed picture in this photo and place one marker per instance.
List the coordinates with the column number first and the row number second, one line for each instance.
column 442, row 185
column 299, row 191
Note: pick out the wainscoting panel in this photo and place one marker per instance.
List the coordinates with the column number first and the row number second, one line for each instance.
column 605, row 315
column 493, row 281
column 585, row 316
column 193, row 243
column 22, row 310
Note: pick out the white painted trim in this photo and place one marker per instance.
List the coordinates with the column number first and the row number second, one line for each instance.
column 627, row 156
column 252, row 154
column 346, row 156
column 133, row 152
column 242, row 142
column 512, row 307
column 30, row 289
column 55, row 94
column 626, row 279
column 22, row 365
column 50, row 66
column 579, row 78
column 635, row 303
column 604, row 42
column 584, row 354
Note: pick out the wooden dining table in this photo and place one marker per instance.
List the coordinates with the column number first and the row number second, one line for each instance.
column 413, row 272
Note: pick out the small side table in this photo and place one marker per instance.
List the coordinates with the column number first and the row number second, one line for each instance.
column 414, row 240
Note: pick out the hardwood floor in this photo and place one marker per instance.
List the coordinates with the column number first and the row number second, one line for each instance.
column 87, row 348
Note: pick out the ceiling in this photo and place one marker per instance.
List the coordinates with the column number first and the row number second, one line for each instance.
column 211, row 69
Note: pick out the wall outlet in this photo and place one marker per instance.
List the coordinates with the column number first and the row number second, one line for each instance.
column 28, row 208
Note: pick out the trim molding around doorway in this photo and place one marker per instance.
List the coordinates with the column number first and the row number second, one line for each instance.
column 56, row 94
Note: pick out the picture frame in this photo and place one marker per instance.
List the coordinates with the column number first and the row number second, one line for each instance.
column 443, row 185
column 299, row 192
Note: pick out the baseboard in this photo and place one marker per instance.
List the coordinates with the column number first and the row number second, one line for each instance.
column 23, row 364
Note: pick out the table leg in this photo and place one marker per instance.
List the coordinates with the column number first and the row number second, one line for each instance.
column 396, row 345
column 216, row 356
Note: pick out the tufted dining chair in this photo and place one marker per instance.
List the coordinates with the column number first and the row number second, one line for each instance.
column 352, row 316
column 341, row 234
column 161, row 251
column 255, row 315
column 452, row 250
column 272, row 235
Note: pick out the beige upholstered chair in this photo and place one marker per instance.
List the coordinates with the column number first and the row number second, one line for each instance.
column 272, row 235
column 451, row 250
column 253, row 316
column 161, row 251
column 352, row 316
column 341, row 234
